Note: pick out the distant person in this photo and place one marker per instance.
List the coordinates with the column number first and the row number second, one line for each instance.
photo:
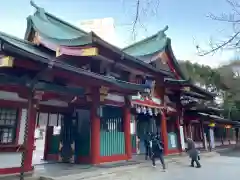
column 138, row 145
column 147, row 139
column 236, row 135
column 37, row 134
column 1, row 136
column 157, row 150
column 193, row 153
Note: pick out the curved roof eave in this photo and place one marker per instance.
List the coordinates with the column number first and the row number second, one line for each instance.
column 86, row 39
column 149, row 45
column 174, row 60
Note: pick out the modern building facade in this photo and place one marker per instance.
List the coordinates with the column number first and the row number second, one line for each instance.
column 104, row 28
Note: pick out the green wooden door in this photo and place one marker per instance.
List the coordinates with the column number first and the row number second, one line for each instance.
column 112, row 141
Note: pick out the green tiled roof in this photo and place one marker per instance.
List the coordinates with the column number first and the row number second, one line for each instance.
column 59, row 32
column 55, row 29
column 157, row 43
column 150, row 45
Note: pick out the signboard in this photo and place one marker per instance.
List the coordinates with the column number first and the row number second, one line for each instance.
column 182, row 137
column 146, row 100
column 205, row 141
column 212, row 140
column 172, row 140
column 56, row 130
column 133, row 125
column 132, row 128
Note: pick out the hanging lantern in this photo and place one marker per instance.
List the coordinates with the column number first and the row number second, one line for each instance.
column 156, row 111
column 150, row 111
column 228, row 126
column 138, row 109
column 144, row 110
column 132, row 105
column 212, row 125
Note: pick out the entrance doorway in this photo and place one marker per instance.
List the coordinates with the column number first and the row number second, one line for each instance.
column 48, row 127
column 146, row 124
column 39, row 137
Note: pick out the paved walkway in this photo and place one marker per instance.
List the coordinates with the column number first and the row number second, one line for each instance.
column 76, row 173
column 222, row 167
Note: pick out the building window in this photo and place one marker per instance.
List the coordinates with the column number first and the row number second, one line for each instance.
column 8, row 125
column 112, row 119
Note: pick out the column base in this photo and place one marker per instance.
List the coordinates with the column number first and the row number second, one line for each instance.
column 14, row 171
column 113, row 158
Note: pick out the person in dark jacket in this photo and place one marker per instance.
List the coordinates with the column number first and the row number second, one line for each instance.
column 157, row 151
column 193, row 153
column 146, row 145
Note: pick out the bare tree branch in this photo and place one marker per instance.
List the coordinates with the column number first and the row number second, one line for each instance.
column 144, row 10
column 216, row 47
column 235, row 5
column 136, row 18
column 231, row 43
column 225, row 18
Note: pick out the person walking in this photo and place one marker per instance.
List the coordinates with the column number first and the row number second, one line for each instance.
column 193, row 153
column 156, row 146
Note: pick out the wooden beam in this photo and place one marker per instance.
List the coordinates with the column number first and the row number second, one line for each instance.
column 27, row 64
column 121, row 65
column 76, row 51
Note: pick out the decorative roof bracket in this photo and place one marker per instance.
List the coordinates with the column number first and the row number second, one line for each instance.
column 39, row 10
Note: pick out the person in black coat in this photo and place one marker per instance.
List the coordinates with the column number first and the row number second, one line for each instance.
column 193, row 153
column 157, row 150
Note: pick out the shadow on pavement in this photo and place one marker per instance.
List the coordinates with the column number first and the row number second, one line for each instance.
column 61, row 169
column 235, row 152
column 118, row 164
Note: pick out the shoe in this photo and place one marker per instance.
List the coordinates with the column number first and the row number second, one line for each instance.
column 154, row 166
column 191, row 165
column 198, row 166
column 164, row 170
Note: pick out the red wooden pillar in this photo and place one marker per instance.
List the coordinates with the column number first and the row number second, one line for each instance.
column 127, row 133
column 30, row 135
column 95, row 127
column 164, row 132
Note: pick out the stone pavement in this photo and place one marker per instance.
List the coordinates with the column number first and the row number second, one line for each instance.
column 77, row 172
column 104, row 172
column 220, row 167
